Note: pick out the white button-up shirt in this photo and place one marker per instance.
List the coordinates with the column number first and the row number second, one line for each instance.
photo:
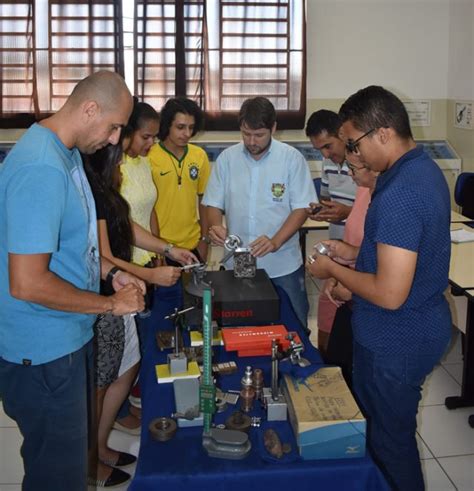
column 257, row 196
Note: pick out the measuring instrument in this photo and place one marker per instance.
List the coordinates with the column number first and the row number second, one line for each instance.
column 219, row 443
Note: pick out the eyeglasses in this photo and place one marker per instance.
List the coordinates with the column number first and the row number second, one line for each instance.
column 353, row 146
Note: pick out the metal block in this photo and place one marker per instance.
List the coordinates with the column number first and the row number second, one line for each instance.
column 276, row 408
column 178, row 363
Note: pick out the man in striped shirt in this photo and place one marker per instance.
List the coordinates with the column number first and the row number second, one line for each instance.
column 337, row 187
column 335, row 199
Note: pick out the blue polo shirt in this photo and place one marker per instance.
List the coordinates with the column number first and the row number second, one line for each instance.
column 410, row 209
column 47, row 208
column 257, row 197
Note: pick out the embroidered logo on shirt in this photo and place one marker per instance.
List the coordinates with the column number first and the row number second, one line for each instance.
column 278, row 190
column 193, row 172
column 164, row 173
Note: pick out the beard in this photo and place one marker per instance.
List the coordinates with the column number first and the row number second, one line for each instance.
column 258, row 150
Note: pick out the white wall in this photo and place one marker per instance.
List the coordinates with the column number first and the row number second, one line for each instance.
column 400, row 44
column 461, row 50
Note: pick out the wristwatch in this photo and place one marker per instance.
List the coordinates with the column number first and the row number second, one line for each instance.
column 168, row 248
column 110, row 275
column 205, row 239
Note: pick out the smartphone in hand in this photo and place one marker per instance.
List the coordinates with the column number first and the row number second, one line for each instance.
column 316, row 209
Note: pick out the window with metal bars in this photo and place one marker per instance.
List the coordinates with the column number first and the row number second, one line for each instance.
column 221, row 52
column 218, row 52
column 47, row 46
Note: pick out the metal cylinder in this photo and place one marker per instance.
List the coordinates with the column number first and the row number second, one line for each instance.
column 247, row 396
column 274, row 370
column 257, row 382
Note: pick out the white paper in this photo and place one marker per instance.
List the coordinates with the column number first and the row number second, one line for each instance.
column 462, row 235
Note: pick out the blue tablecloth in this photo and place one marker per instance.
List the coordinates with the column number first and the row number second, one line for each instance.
column 181, row 464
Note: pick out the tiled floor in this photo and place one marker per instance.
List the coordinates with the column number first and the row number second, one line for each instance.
column 445, row 439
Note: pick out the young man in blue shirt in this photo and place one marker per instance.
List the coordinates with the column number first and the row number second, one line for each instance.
column 401, row 319
column 49, row 281
column 263, row 186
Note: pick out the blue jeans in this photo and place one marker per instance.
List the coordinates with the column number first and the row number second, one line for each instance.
column 50, row 403
column 388, row 388
column 295, row 287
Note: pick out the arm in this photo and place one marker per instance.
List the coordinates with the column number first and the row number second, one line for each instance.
column 333, row 211
column 337, row 293
column 217, row 232
column 154, row 226
column 263, row 244
column 161, row 275
column 342, row 252
column 204, row 175
column 203, row 246
column 149, row 242
column 388, row 288
column 32, row 281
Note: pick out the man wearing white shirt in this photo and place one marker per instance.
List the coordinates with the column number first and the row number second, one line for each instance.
column 263, row 186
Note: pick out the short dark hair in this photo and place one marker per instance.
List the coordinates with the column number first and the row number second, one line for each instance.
column 257, row 113
column 141, row 113
column 376, row 107
column 175, row 106
column 323, row 120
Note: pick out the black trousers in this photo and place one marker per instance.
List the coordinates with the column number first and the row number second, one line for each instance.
column 340, row 348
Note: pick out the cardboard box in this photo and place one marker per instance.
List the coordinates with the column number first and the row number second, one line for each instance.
column 324, row 415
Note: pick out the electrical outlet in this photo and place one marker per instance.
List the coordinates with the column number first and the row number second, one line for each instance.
column 463, row 115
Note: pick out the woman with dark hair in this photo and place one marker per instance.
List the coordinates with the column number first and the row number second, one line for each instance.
column 118, row 351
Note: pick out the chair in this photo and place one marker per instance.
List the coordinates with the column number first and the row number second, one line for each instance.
column 464, row 193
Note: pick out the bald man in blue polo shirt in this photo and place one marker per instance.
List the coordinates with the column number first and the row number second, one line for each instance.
column 263, row 186
column 49, row 281
column 401, row 319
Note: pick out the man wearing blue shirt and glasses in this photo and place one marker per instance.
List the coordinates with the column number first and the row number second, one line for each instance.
column 263, row 186
column 401, row 319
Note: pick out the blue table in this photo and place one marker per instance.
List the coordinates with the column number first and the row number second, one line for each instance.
column 181, row 464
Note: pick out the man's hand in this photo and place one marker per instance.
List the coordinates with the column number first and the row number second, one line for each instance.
column 341, row 252
column 217, row 234
column 328, row 289
column 127, row 300
column 182, row 256
column 341, row 293
column 313, row 211
column 332, row 211
column 320, row 267
column 165, row 275
column 122, row 278
column 262, row 245
column 337, row 293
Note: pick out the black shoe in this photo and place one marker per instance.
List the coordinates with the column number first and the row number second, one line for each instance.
column 123, row 460
column 116, row 478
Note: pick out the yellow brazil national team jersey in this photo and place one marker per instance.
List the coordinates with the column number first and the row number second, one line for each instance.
column 179, row 182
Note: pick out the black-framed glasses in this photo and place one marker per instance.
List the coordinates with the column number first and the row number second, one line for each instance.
column 352, row 146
